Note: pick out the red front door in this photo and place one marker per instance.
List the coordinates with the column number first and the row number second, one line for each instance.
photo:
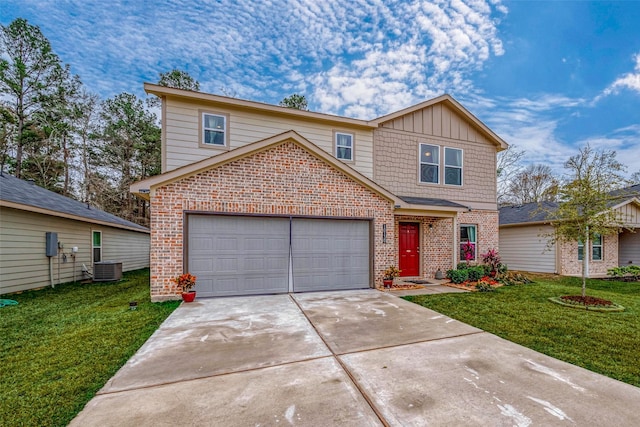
column 409, row 244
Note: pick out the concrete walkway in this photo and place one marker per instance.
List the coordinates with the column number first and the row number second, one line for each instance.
column 351, row 358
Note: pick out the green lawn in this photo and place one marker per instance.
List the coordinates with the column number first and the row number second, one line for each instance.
column 59, row 346
column 607, row 343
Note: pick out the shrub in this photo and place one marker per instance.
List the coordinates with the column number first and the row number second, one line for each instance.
column 630, row 271
column 462, row 266
column 484, row 287
column 476, row 273
column 502, row 269
column 458, row 276
column 492, row 259
column 511, row 278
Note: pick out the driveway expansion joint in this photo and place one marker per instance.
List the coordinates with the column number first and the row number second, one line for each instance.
column 364, row 395
column 346, row 353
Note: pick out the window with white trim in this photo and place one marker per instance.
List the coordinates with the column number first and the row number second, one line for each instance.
column 429, row 163
column 452, row 166
column 468, row 242
column 96, row 246
column 344, row 146
column 580, row 250
column 596, row 248
column 214, row 128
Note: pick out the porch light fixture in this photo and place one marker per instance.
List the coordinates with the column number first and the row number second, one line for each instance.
column 384, row 233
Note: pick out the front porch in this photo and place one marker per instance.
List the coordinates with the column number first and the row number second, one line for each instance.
column 428, row 236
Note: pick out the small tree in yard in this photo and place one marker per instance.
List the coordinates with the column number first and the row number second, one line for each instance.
column 585, row 201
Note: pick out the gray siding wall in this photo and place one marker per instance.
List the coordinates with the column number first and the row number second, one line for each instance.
column 629, row 248
column 24, row 265
column 521, row 248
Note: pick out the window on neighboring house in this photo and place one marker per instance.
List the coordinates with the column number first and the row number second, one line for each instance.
column 96, row 245
column 429, row 163
column 214, row 128
column 344, row 146
column 596, row 248
column 468, row 242
column 452, row 166
column 580, row 250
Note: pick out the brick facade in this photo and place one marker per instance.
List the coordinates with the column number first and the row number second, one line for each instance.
column 285, row 179
column 436, row 238
column 570, row 265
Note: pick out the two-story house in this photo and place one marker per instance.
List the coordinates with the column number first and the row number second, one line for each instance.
column 256, row 198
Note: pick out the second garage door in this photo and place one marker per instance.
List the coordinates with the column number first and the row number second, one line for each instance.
column 235, row 255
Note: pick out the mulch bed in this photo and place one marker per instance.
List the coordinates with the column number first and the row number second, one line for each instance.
column 587, row 300
column 471, row 286
column 402, row 287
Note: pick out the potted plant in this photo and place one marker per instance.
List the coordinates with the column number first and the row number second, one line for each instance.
column 185, row 282
column 389, row 274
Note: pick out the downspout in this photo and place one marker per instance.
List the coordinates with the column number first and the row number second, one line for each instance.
column 51, row 272
column 455, row 245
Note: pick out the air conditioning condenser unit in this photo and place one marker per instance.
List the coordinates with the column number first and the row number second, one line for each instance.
column 107, row 271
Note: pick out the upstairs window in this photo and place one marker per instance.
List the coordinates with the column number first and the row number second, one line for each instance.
column 429, row 163
column 214, row 130
column 344, row 146
column 452, row 166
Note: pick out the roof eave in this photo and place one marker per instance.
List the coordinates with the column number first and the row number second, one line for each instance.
column 146, row 187
column 34, row 209
column 493, row 137
column 162, row 91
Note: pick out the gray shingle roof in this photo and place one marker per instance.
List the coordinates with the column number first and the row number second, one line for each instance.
column 431, row 202
column 529, row 212
column 16, row 190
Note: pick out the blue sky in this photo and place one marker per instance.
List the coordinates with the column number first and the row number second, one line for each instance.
column 547, row 76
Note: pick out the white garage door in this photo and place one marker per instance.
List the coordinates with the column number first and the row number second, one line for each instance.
column 235, row 255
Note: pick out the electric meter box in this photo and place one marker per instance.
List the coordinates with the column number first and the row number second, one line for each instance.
column 52, row 243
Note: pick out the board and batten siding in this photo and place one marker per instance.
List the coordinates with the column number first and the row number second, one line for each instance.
column 523, row 248
column 437, row 120
column 23, row 261
column 182, row 122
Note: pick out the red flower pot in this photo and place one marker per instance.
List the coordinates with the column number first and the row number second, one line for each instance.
column 188, row 296
column 387, row 283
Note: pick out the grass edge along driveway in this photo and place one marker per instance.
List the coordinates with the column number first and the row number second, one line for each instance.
column 606, row 343
column 59, row 346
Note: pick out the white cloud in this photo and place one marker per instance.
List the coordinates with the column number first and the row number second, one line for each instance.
column 624, row 142
column 530, row 124
column 363, row 57
column 629, row 81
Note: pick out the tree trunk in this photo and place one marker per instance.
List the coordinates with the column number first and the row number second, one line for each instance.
column 585, row 263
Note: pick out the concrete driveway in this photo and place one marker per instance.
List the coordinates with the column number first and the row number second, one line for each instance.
column 349, row 358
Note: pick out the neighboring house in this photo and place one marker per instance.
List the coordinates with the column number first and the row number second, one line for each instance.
column 523, row 245
column 257, row 198
column 28, row 212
